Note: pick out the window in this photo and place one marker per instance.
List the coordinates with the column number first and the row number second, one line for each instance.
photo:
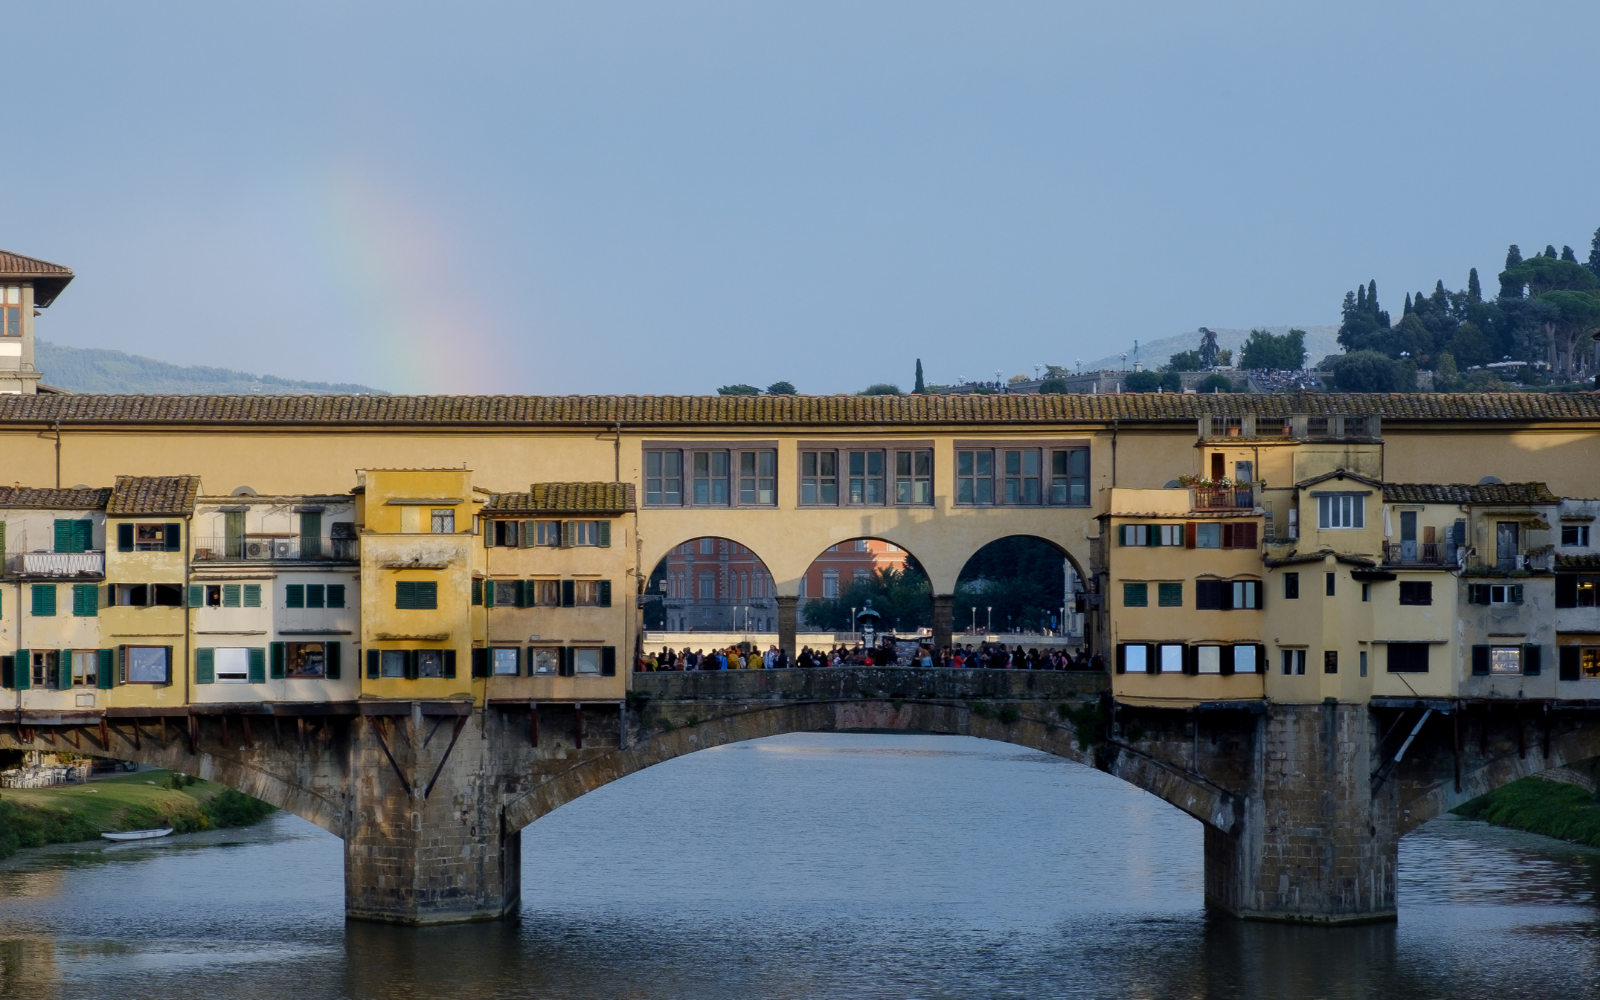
column 819, row 477
column 586, row 661
column 507, row 593
column 74, row 536
column 547, row 533
column 544, row 662
column 1576, row 535
column 1135, row 659
column 1227, row 426
column 1576, row 590
column 1022, row 476
column 1069, row 477
column 148, row 664
column 430, row 662
column 591, row 593
column 1135, row 595
column 708, row 586
column 1330, row 583
column 710, row 477
column 506, row 533
column 1341, row 511
column 1208, row 659
column 1505, row 660
column 394, row 662
column 1150, row 534
column 505, row 661
column 1579, row 662
column 1294, row 661
column 1169, row 595
column 865, row 477
column 708, row 546
column 830, row 584
column 1227, row 595
column 230, row 664
column 1496, row 593
column 758, row 477
column 975, row 477
column 444, row 521
column 862, row 545
column 335, row 596
column 663, row 478
column 590, row 533
column 294, row 596
column 1245, row 660
column 1291, row 586
column 1330, row 661
column 1208, row 536
column 306, row 659
column 1171, row 658
column 1416, row 592
column 416, row 595
column 546, row 593
column 11, row 311
column 316, row 596
column 154, row 537
column 1363, row 663
column 44, row 600
column 1240, row 535
column 86, row 668
column 85, row 600
column 913, row 477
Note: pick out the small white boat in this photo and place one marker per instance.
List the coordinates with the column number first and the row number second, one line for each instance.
column 138, row 834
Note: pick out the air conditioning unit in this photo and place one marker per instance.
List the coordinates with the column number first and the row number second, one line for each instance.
column 258, row 550
column 283, row 549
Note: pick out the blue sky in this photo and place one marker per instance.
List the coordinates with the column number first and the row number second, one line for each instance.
column 666, row 197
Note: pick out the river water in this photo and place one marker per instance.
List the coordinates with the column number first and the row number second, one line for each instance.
column 797, row 867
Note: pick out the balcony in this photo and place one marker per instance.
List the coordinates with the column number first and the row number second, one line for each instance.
column 61, row 564
column 1417, row 554
column 1224, row 498
column 269, row 548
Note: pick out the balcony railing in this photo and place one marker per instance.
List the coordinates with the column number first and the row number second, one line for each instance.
column 1223, row 497
column 61, row 564
column 1416, row 554
column 261, row 548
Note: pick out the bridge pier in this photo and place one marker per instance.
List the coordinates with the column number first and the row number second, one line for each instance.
column 943, row 619
column 788, row 623
column 426, row 839
column 1317, row 844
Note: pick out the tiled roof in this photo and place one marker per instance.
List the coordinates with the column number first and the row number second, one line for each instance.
column 558, row 498
column 51, row 499
column 1512, row 493
column 1584, row 561
column 667, row 411
column 153, row 495
column 46, row 278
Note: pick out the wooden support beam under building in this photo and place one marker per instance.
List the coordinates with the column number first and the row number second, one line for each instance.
column 577, row 724
column 533, row 724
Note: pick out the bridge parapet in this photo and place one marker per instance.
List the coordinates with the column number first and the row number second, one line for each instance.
column 833, row 683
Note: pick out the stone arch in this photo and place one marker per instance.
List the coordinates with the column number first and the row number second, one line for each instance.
column 1211, row 805
column 1065, row 553
column 844, row 557
column 749, row 582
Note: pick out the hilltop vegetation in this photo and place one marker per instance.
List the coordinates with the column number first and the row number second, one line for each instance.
column 90, row 369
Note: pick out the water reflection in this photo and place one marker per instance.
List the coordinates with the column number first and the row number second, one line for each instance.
column 804, row 866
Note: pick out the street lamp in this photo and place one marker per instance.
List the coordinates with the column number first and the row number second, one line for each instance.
column 852, row 624
column 974, row 629
column 989, row 629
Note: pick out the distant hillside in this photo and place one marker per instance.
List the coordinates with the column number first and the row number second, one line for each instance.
column 90, row 369
column 1321, row 341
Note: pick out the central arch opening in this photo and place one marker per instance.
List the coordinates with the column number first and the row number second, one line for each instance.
column 848, row 576
column 711, row 584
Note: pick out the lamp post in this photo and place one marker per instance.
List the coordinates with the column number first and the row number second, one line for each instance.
column 974, row 629
column 989, row 629
column 852, row 625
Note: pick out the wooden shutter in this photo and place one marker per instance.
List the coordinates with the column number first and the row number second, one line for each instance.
column 569, row 534
column 488, row 532
column 520, row 593
column 1516, row 593
column 372, row 664
column 294, row 596
column 605, row 593
column 279, row 655
column 24, row 670
column 567, row 661
column 168, row 678
column 480, row 662
column 1531, row 656
column 1569, row 656
column 528, row 533
column 411, row 664
column 8, row 672
column 197, row 595
column 488, row 593
column 124, row 538
column 44, row 600
column 105, row 675
column 205, row 665
column 1191, row 660
column 1122, row 657
column 569, row 593
column 63, row 540
column 335, row 595
column 449, row 663
column 608, row 661
column 64, row 670
column 427, row 595
column 1189, row 531
column 256, row 665
column 1480, row 660
column 174, row 537
column 1566, row 591
column 1225, row 657
column 1227, row 535
column 477, row 591
column 330, row 659
column 1244, row 535
column 603, row 530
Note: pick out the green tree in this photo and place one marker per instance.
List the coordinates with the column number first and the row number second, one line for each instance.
column 901, row 597
column 1020, row 577
column 1372, row 371
column 1469, row 347
column 1594, row 254
column 1567, row 254
column 919, row 388
column 1275, row 353
column 1474, row 289
column 1208, row 348
column 1185, row 361
column 1141, row 382
column 1364, row 322
column 1053, row 386
column 1215, row 383
column 781, row 389
column 881, row 389
column 738, row 390
column 1483, row 380
column 1510, row 289
column 1171, row 381
column 1550, row 250
column 1446, row 377
column 1565, row 306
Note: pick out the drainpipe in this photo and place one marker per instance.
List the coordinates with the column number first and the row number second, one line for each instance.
column 188, row 614
column 58, row 454
column 1113, row 453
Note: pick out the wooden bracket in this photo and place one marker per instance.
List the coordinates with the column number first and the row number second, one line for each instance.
column 533, row 723
column 577, row 724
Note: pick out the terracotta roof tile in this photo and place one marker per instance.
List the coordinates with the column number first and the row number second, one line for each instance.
column 566, row 498
column 46, row 278
column 1508, row 493
column 153, row 495
column 44, row 498
column 665, row 411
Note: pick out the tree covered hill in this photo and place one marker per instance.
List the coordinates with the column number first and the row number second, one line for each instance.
column 1321, row 341
column 89, row 369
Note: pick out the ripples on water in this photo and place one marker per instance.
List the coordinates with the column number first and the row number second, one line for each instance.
column 800, row 867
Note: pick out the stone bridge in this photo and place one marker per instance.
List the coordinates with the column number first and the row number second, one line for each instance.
column 1302, row 806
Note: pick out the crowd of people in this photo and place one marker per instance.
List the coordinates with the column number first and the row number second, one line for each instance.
column 992, row 656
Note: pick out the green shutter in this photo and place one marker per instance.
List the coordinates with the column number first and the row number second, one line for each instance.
column 449, row 663
column 605, row 593
column 197, row 596
column 278, row 655
column 480, row 663
column 330, row 659
column 487, row 527
column 205, row 664
column 64, row 670
column 174, row 537
column 252, row 595
column 427, row 595
column 310, row 535
column 488, row 593
column 90, row 596
column 1480, row 660
column 477, row 592
column 412, row 665
column 2, row 541
column 230, row 595
column 335, row 595
column 24, row 669
column 294, row 596
column 44, row 600
column 604, row 533
column 569, row 594
column 104, row 676
column 527, row 534
column 523, row 592
column 63, row 536
column 608, row 661
column 82, row 536
column 569, row 534
column 8, row 672
column 372, row 664
column 124, row 538
column 257, row 659
column 1531, row 656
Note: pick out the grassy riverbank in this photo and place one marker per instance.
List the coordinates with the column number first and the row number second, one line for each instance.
column 31, row 817
column 1565, row 812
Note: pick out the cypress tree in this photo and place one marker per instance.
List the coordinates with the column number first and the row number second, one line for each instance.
column 1567, row 254
column 1361, row 300
column 1550, row 251
column 1407, row 310
column 1474, row 290
column 1594, row 254
column 920, row 388
column 1514, row 256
